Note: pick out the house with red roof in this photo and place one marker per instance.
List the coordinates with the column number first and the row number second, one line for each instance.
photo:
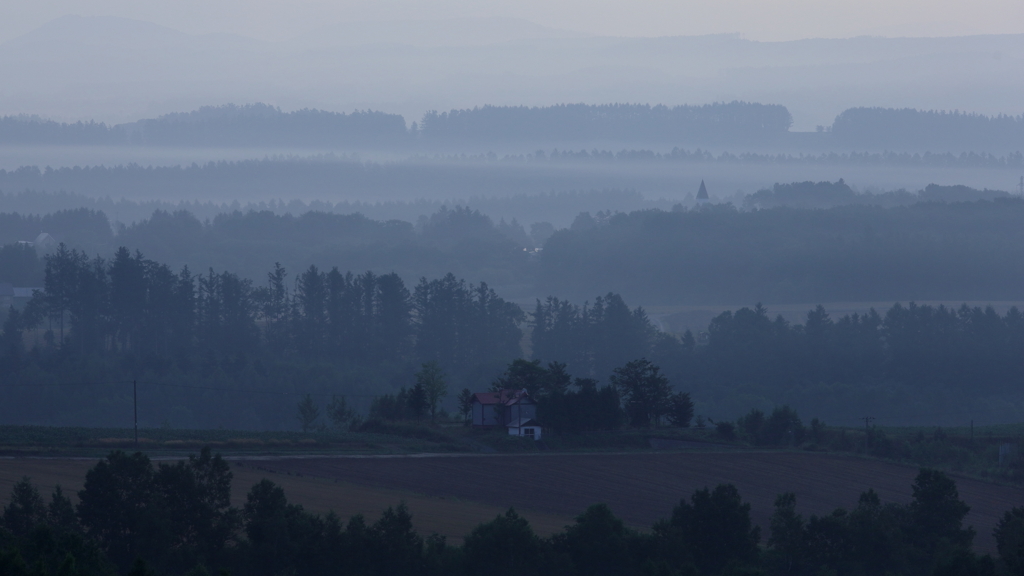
column 513, row 409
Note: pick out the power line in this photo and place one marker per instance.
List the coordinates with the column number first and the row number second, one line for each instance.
column 904, row 415
column 272, row 392
column 51, row 384
column 188, row 386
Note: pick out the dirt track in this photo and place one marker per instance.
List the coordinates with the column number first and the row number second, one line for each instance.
column 642, row 488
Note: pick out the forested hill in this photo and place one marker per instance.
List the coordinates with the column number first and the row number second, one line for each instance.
column 458, row 240
column 255, row 125
column 839, row 193
column 735, row 122
column 929, row 251
column 907, row 128
column 32, row 130
column 259, row 124
column 214, row 126
column 732, row 124
column 215, row 349
column 640, row 174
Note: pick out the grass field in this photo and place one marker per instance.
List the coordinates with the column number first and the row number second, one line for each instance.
column 52, row 441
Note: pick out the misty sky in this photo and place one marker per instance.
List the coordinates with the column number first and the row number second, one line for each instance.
column 754, row 19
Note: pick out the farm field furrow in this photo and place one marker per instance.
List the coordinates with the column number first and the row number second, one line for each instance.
column 642, row 488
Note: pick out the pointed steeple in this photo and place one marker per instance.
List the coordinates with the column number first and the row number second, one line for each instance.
column 702, row 194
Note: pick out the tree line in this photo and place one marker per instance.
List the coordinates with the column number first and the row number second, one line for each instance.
column 33, row 130
column 138, row 306
column 485, row 181
column 558, row 208
column 330, row 332
column 263, row 125
column 910, row 364
column 457, row 240
column 720, row 255
column 941, row 249
column 914, row 364
column 228, row 125
column 908, row 128
column 176, row 518
column 637, row 394
column 823, row 195
column 859, row 128
column 462, row 176
column 733, row 122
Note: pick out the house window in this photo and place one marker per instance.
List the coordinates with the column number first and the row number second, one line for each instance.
column 528, row 432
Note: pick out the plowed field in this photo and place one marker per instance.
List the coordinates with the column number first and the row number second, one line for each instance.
column 643, row 487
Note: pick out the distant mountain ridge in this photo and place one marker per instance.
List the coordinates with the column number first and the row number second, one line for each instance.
column 721, row 124
column 732, row 122
column 264, row 125
column 119, row 70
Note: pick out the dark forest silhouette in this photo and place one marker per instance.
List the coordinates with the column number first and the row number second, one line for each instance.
column 137, row 518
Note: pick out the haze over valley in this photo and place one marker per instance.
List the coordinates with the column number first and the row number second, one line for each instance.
column 511, row 288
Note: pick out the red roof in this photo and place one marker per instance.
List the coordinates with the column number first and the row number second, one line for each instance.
column 507, row 397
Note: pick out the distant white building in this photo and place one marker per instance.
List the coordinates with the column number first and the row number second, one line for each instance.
column 44, row 242
column 9, row 293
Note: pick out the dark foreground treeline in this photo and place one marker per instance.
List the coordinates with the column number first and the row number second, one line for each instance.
column 734, row 123
column 216, row 349
column 137, row 519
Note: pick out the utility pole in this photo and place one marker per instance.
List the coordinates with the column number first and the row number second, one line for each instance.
column 867, row 428
column 867, row 422
column 135, row 403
